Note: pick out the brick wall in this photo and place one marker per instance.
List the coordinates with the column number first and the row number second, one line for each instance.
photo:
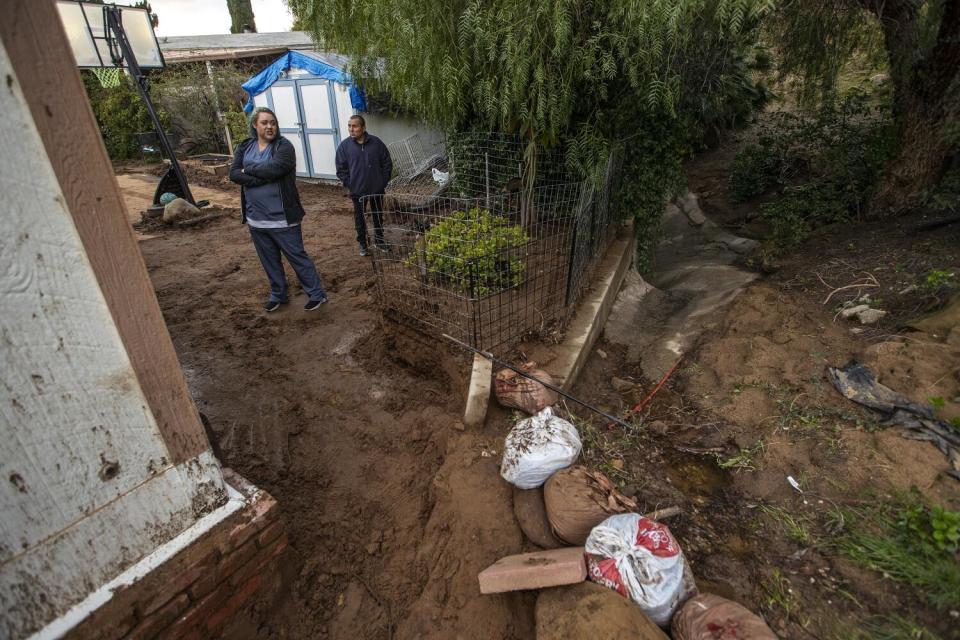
column 197, row 591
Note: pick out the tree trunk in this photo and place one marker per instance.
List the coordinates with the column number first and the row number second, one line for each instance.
column 241, row 16
column 926, row 104
column 926, row 146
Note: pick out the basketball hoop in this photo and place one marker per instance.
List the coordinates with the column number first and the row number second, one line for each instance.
column 109, row 77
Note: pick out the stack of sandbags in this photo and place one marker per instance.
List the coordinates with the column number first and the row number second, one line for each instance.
column 577, row 500
column 708, row 616
column 516, row 392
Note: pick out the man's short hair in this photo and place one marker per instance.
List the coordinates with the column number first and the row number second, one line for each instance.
column 356, row 116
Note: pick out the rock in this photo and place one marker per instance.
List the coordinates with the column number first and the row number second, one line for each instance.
column 879, row 79
column 458, row 425
column 602, row 353
column 852, row 311
column 617, row 464
column 622, row 386
column 531, row 514
column 870, row 316
column 179, row 209
column 659, row 427
column 691, row 208
column 589, row 610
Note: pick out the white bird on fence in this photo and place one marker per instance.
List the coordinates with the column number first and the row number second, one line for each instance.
column 440, row 177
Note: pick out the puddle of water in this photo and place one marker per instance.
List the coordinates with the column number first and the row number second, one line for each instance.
column 697, row 477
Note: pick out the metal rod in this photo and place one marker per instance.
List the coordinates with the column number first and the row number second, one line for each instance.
column 489, row 356
column 115, row 25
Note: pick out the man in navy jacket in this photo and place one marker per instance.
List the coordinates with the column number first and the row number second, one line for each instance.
column 364, row 167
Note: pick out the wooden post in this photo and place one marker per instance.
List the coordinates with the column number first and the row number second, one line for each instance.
column 43, row 61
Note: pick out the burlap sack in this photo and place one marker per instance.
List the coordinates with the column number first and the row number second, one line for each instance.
column 578, row 499
column 516, row 392
column 710, row 617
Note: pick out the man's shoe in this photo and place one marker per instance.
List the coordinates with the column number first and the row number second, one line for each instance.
column 273, row 305
column 314, row 304
column 363, row 251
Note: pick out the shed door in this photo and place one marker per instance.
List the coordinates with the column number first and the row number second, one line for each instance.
column 282, row 99
column 320, row 125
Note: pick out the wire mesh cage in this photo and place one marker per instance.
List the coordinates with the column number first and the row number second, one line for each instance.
column 497, row 249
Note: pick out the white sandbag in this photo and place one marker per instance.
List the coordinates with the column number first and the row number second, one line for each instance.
column 640, row 559
column 537, row 447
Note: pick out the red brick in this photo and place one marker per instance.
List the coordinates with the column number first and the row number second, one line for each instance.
column 197, row 614
column 235, row 602
column 259, row 561
column 269, row 534
column 534, row 570
column 259, row 515
column 204, row 584
column 180, row 582
column 150, row 626
column 231, row 563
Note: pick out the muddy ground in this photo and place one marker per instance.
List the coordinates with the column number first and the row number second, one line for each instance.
column 393, row 508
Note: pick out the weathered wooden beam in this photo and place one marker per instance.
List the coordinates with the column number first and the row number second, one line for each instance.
column 41, row 57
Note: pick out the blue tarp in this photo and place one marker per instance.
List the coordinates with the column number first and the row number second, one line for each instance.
column 262, row 81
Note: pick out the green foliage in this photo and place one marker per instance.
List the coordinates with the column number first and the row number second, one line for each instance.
column 653, row 77
column 239, row 125
column 911, row 545
column 121, row 116
column 937, row 279
column 826, row 165
column 517, row 66
column 931, row 530
column 192, row 96
column 473, row 252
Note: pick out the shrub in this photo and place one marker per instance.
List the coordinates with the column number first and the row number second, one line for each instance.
column 121, row 116
column 473, row 252
column 826, row 165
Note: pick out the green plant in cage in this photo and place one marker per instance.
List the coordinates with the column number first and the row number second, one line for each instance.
column 473, row 252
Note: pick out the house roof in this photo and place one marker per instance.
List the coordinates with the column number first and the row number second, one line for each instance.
column 231, row 46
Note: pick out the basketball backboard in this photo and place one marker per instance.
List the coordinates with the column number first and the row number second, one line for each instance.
column 85, row 25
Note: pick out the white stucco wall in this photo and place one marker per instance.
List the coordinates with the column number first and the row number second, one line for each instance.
column 86, row 486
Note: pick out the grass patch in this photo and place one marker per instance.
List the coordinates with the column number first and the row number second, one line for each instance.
column 796, row 528
column 778, row 593
column 888, row 628
column 747, row 460
column 899, row 543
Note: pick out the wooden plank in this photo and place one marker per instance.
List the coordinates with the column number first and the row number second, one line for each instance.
column 40, row 55
column 88, row 487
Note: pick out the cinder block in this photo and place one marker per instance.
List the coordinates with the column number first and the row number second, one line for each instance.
column 534, row 571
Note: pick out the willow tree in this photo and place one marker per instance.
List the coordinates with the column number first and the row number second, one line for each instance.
column 921, row 42
column 544, row 69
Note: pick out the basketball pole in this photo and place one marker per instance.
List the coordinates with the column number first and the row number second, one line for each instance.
column 114, row 25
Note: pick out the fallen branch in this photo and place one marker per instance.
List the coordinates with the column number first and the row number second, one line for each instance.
column 660, row 514
column 856, row 285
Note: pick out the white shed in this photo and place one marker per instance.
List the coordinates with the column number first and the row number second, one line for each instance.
column 314, row 97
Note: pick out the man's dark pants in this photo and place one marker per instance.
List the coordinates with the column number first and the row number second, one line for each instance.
column 270, row 245
column 376, row 210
